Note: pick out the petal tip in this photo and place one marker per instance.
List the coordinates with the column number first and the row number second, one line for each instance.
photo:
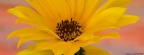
column 10, row 10
column 9, row 36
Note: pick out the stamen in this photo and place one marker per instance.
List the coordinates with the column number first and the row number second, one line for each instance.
column 68, row 30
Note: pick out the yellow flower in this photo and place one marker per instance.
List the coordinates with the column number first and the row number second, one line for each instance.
column 66, row 25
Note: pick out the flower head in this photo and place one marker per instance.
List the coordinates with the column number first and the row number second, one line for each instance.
column 66, row 25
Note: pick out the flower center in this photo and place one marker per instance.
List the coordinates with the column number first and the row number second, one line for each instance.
column 68, row 30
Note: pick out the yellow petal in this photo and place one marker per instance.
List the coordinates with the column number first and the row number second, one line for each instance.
column 113, row 3
column 32, row 52
column 49, row 31
column 21, row 17
column 89, row 8
column 104, row 6
column 22, row 32
column 34, row 36
column 27, row 52
column 66, row 48
column 83, row 40
column 49, row 9
column 16, row 13
column 119, row 3
column 28, row 15
column 31, row 46
column 99, row 37
column 127, row 19
column 105, row 19
column 110, row 35
column 78, row 9
column 72, row 50
column 93, row 50
column 45, row 9
column 71, row 5
column 61, row 47
column 25, row 21
column 47, row 44
column 84, row 36
column 62, row 9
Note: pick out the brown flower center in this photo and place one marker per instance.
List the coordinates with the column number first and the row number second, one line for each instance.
column 68, row 30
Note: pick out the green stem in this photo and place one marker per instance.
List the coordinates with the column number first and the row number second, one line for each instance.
column 80, row 52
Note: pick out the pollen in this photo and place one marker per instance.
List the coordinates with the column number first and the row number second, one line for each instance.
column 68, row 30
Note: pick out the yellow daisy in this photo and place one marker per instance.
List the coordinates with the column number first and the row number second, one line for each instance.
column 66, row 25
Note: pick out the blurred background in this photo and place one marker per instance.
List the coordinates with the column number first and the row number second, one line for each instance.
column 132, row 36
